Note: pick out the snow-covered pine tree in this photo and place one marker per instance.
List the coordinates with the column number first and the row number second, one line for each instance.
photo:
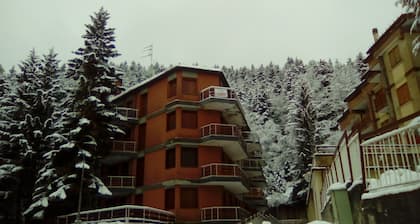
column 47, row 138
column 89, row 123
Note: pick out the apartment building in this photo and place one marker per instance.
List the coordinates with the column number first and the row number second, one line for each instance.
column 188, row 155
column 372, row 175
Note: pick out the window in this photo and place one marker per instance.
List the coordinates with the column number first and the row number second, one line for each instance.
column 189, row 86
column 189, row 157
column 172, row 88
column 403, row 94
column 143, row 104
column 170, row 198
column 171, row 121
column 189, row 119
column 170, row 158
column 189, row 198
column 380, row 100
column 394, row 56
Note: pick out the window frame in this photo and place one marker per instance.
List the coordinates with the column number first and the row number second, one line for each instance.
column 186, row 153
column 171, row 121
column 403, row 94
column 185, row 91
column 188, row 193
column 169, row 198
column 394, row 56
column 172, row 88
column 170, row 158
column 186, row 121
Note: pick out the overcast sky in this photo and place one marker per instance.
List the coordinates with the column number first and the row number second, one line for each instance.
column 209, row 32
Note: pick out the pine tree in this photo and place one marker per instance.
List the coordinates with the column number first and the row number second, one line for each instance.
column 89, row 121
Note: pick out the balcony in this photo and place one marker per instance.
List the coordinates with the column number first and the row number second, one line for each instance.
column 128, row 115
column 227, row 136
column 392, row 159
column 258, row 181
column 121, row 151
column 223, row 214
column 123, row 214
column 252, row 141
column 252, row 167
column 121, row 185
column 255, row 197
column 230, row 176
column 223, row 99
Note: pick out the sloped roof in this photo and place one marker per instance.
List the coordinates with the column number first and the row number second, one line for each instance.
column 167, row 72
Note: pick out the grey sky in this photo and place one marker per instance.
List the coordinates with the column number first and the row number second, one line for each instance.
column 224, row 32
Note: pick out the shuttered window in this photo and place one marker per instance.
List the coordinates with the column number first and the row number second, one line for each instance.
column 170, row 158
column 394, row 56
column 172, row 88
column 189, row 119
column 189, row 157
column 189, row 86
column 189, row 198
column 170, row 121
column 403, row 94
column 170, row 198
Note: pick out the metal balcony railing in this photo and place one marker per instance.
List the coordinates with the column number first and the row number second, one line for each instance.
column 221, row 169
column 128, row 113
column 223, row 214
column 124, row 146
column 218, row 92
column 121, row 182
column 250, row 136
column 251, row 163
column 392, row 158
column 123, row 214
column 214, row 129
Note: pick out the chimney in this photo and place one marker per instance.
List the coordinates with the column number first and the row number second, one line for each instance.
column 375, row 34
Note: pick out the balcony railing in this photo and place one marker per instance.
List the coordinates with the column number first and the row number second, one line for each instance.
column 392, row 158
column 254, row 153
column 124, row 214
column 218, row 92
column 121, row 182
column 128, row 113
column 250, row 136
column 221, row 169
column 251, row 163
column 223, row 214
column 124, row 146
column 214, row 129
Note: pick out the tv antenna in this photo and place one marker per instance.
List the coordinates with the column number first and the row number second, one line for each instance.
column 148, row 52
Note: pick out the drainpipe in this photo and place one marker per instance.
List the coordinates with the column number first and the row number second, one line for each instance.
column 387, row 88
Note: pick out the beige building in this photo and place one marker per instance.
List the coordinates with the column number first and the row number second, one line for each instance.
column 371, row 175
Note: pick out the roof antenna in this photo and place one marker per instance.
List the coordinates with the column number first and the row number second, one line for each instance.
column 148, row 52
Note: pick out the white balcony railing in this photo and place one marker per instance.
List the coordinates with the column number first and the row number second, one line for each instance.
column 392, row 158
column 221, row 169
column 223, row 214
column 218, row 92
column 121, row 182
column 214, row 129
column 128, row 113
column 124, row 146
column 123, row 214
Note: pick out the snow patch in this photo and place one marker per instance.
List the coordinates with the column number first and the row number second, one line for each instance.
column 337, row 187
column 83, row 165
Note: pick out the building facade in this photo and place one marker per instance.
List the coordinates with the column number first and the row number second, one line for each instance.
column 372, row 175
column 188, row 150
